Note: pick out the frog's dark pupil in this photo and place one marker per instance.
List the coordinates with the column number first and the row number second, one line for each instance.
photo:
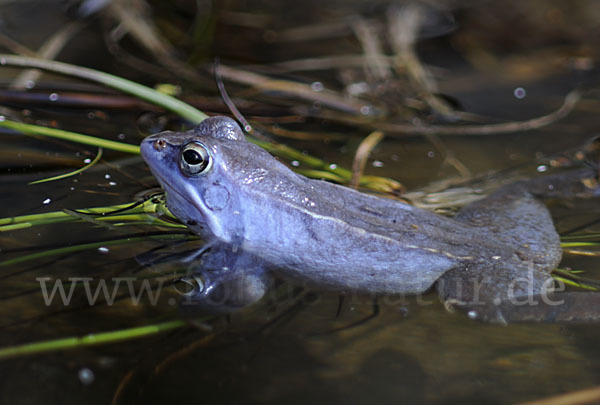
column 192, row 157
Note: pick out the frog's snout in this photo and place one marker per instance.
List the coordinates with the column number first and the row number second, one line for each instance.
column 151, row 145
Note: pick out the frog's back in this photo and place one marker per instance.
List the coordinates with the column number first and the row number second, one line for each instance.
column 344, row 239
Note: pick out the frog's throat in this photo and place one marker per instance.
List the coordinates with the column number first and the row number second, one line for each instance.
column 191, row 196
column 214, row 224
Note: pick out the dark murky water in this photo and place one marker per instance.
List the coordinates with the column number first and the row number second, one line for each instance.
column 292, row 347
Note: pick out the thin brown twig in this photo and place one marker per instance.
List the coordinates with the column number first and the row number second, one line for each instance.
column 303, row 91
column 404, row 23
column 49, row 50
column 14, row 46
column 330, row 29
column 323, row 63
column 449, row 156
column 112, row 38
column 586, row 396
column 227, row 100
column 134, row 16
column 393, row 129
column 576, row 252
column 121, row 387
column 361, row 156
column 303, row 135
column 182, row 352
column 371, row 45
column 135, row 19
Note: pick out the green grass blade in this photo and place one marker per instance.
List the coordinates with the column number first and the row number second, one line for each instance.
column 73, row 173
column 574, row 283
column 581, row 237
column 126, row 86
column 89, row 340
column 320, row 174
column 26, row 221
column 578, row 244
column 91, row 245
column 148, row 211
column 29, row 129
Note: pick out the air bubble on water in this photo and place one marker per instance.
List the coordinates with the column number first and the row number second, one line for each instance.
column 366, row 110
column 333, row 166
column 295, row 163
column 520, row 93
column 86, row 376
column 112, row 183
column 377, row 163
column 103, row 249
column 29, row 84
column 541, row 168
column 356, row 89
column 107, row 176
column 87, row 160
column 46, row 201
column 317, row 86
column 53, row 96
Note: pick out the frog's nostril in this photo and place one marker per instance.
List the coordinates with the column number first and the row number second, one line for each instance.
column 160, row 144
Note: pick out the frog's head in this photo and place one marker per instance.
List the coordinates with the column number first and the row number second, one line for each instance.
column 203, row 171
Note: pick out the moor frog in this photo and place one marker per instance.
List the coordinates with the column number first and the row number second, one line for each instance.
column 489, row 260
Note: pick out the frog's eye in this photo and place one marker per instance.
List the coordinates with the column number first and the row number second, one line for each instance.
column 194, row 159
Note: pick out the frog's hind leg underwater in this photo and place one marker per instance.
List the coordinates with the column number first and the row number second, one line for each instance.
column 519, row 288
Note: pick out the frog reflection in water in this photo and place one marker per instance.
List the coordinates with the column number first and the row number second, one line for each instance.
column 495, row 255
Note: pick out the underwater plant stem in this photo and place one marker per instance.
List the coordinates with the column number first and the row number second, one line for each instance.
column 89, row 340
